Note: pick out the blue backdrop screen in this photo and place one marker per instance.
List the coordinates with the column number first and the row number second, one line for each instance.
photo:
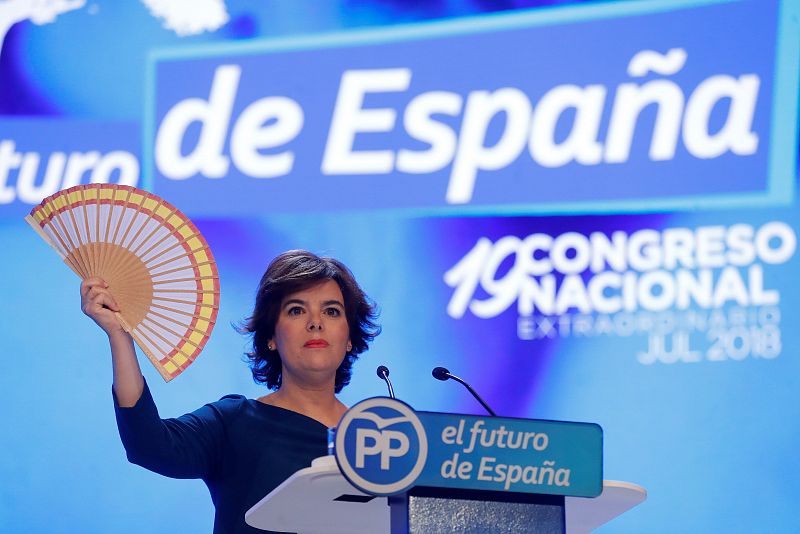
column 588, row 211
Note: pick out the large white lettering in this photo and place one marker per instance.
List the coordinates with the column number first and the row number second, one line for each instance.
column 349, row 118
column 708, row 267
column 267, row 123
column 429, row 138
column 24, row 175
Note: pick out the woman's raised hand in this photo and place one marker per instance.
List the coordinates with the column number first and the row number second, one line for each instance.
column 98, row 303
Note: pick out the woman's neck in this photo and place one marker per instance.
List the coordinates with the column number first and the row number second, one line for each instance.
column 318, row 403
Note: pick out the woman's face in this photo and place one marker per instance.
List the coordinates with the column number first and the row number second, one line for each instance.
column 312, row 335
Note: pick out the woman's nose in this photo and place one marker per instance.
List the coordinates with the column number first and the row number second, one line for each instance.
column 314, row 322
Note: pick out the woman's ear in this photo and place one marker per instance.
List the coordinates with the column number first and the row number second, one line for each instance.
column 271, row 343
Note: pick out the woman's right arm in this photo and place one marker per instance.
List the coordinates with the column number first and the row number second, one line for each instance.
column 186, row 447
column 98, row 303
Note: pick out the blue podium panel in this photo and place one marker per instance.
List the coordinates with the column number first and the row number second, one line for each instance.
column 384, row 447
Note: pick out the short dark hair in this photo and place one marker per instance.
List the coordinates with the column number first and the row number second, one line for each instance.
column 293, row 271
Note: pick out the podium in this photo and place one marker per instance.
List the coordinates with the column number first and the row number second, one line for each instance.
column 319, row 500
column 394, row 470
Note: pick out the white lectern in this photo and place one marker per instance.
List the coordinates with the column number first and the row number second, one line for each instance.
column 318, row 500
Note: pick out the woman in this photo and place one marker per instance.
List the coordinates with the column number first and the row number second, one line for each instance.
column 311, row 321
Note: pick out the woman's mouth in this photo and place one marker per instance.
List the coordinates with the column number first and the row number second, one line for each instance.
column 316, row 344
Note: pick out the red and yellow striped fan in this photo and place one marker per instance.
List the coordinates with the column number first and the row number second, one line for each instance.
column 157, row 265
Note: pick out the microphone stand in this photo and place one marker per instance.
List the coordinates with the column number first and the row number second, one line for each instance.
column 440, row 373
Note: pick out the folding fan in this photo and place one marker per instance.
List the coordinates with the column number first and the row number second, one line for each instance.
column 157, row 265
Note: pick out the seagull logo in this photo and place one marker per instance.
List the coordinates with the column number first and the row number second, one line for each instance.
column 375, row 457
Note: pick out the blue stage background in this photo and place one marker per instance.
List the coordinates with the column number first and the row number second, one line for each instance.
column 708, row 426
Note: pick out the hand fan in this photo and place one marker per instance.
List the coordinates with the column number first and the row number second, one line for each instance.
column 157, row 265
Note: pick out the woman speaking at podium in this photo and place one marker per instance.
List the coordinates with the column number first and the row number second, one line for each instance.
column 311, row 321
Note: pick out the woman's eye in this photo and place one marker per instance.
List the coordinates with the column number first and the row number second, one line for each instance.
column 295, row 310
column 333, row 312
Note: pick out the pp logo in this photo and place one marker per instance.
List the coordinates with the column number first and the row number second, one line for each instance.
column 381, row 446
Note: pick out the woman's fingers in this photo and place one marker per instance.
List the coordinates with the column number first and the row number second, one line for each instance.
column 94, row 286
column 105, row 296
column 90, row 283
column 95, row 296
column 99, row 304
column 102, row 299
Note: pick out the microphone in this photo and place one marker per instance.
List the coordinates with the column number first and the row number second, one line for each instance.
column 440, row 373
column 383, row 372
